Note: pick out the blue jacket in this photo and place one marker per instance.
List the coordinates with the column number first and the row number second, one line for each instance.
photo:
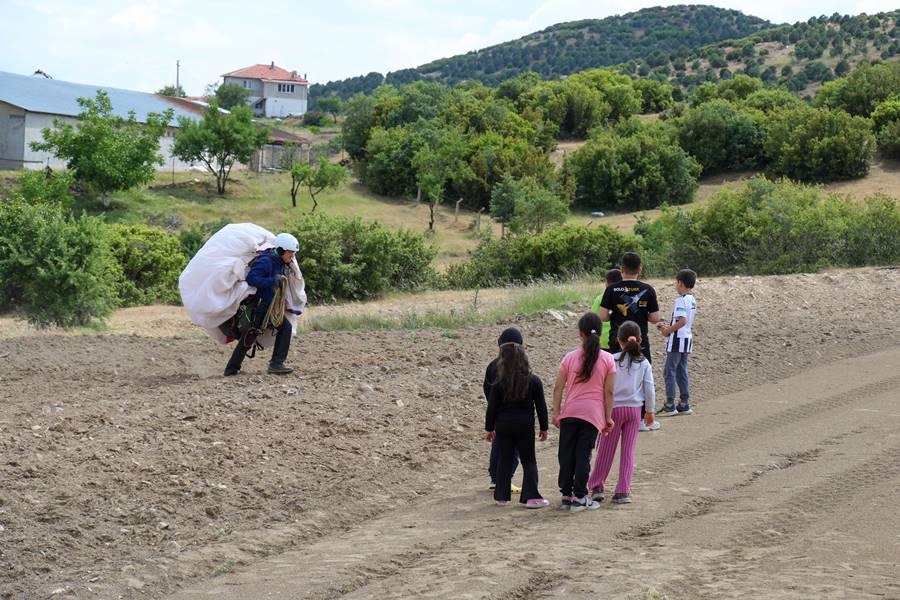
column 262, row 277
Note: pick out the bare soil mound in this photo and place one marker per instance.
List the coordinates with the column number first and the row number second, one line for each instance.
column 131, row 468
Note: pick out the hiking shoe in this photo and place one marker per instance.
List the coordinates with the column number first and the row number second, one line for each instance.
column 686, row 410
column 598, row 495
column 586, row 503
column 279, row 369
column 666, row 411
column 621, row 499
column 537, row 503
column 229, row 371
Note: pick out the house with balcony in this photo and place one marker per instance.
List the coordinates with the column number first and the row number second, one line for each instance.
column 274, row 92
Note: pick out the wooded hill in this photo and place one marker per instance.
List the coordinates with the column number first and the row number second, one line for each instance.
column 686, row 45
column 567, row 48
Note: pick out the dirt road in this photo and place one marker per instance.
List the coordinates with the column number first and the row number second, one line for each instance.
column 130, row 469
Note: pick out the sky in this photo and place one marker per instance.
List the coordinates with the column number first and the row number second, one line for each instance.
column 135, row 44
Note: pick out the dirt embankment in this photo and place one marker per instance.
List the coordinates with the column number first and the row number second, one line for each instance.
column 131, row 468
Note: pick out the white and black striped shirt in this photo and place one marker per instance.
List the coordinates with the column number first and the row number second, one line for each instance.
column 682, row 340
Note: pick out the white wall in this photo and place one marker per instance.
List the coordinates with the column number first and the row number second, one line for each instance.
column 35, row 122
column 282, row 104
column 12, row 136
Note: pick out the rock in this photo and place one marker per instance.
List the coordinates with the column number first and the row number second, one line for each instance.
column 163, row 525
column 399, row 402
column 365, row 388
column 556, row 315
column 134, row 583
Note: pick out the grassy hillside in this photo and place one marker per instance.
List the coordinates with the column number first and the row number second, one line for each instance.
column 566, row 48
column 800, row 57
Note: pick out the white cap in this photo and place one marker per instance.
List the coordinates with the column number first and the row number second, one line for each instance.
column 286, row 241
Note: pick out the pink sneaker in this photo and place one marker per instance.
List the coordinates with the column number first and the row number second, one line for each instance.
column 537, row 503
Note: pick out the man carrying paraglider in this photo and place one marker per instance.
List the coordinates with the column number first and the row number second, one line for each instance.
column 268, row 275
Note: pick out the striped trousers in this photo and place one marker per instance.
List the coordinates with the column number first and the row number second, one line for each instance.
column 627, row 420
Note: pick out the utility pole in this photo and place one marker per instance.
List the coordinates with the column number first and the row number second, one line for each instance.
column 177, row 77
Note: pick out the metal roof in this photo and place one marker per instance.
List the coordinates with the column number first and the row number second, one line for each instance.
column 55, row 97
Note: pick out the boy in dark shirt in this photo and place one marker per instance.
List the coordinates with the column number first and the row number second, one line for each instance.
column 490, row 377
column 612, row 276
column 630, row 300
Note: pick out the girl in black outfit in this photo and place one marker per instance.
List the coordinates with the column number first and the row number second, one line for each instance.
column 515, row 397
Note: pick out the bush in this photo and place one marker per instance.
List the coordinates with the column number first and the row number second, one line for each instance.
column 56, row 267
column 722, row 137
column 889, row 140
column 860, row 92
column 817, row 145
column 314, row 118
column 773, row 227
column 347, row 259
column 151, row 261
column 47, row 186
column 637, row 172
column 558, row 252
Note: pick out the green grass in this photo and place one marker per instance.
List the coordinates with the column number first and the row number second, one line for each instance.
column 527, row 301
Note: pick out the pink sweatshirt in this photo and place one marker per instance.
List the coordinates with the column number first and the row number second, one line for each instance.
column 584, row 400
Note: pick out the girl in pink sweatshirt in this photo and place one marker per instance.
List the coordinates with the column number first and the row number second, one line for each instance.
column 587, row 376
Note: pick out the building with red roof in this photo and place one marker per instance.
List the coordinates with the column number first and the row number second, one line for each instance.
column 274, row 91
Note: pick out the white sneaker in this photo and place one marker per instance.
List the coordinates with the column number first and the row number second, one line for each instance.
column 654, row 426
column 586, row 503
column 643, row 426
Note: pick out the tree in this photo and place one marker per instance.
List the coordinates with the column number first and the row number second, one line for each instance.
column 331, row 105
column 105, row 151
column 818, row 145
column 441, row 160
column 537, row 208
column 316, row 179
column 171, row 90
column 503, row 201
column 219, row 140
column 721, row 136
column 230, row 95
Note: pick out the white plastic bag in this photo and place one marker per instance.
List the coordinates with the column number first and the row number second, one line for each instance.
column 214, row 283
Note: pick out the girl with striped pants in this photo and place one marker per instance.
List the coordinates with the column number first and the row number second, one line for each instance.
column 633, row 389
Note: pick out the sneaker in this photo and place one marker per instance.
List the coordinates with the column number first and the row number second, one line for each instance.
column 493, row 485
column 230, row 372
column 621, row 499
column 566, row 503
column 515, row 489
column 652, row 427
column 684, row 410
column 502, row 502
column 586, row 503
column 598, row 495
column 537, row 503
column 666, row 411
column 279, row 369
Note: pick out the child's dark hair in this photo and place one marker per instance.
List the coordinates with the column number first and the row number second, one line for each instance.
column 613, row 276
column 631, row 262
column 590, row 325
column 629, row 337
column 686, row 277
column 513, row 372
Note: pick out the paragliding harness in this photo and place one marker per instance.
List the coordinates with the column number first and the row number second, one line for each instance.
column 247, row 325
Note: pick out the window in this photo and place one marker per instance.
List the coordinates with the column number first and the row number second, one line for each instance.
column 246, row 84
column 286, row 88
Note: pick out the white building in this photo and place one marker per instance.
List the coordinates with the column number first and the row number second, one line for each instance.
column 274, row 92
column 30, row 104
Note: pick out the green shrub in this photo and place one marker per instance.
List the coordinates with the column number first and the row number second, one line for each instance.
column 722, row 137
column 313, row 118
column 773, row 227
column 557, row 252
column 47, row 186
column 347, row 259
column 151, row 261
column 889, row 140
column 55, row 267
column 634, row 172
column 818, row 145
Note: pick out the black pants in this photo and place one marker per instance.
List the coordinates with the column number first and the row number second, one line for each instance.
column 576, row 440
column 516, row 433
column 495, row 459
column 279, row 352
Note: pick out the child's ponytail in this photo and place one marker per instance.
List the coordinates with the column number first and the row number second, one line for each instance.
column 629, row 337
column 590, row 325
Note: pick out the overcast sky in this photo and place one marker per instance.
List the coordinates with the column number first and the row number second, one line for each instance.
column 135, row 44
